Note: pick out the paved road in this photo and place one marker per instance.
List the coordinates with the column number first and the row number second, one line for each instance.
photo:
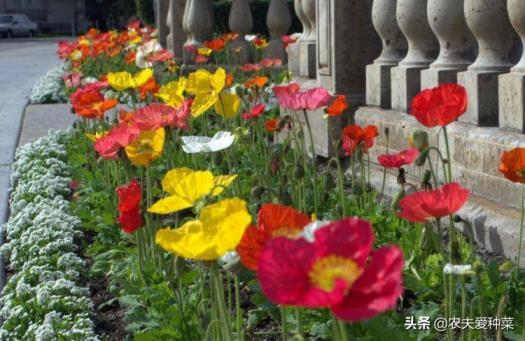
column 22, row 63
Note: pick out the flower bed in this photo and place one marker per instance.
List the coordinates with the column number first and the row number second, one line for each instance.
column 203, row 227
column 50, row 88
column 43, row 298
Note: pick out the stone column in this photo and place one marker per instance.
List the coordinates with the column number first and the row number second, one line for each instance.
column 346, row 43
column 293, row 50
column 308, row 41
column 278, row 21
column 176, row 35
column 394, row 49
column 161, row 19
column 457, row 45
column 512, row 85
column 422, row 50
column 489, row 22
column 198, row 25
column 240, row 22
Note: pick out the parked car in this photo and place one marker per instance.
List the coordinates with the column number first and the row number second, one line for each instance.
column 12, row 25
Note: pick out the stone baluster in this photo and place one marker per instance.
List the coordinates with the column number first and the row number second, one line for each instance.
column 512, row 85
column 176, row 35
column 422, row 50
column 293, row 50
column 308, row 43
column 489, row 22
column 457, row 45
column 378, row 82
column 240, row 22
column 278, row 21
column 161, row 15
column 198, row 24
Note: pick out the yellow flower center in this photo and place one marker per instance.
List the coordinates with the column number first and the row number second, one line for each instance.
column 327, row 270
column 288, row 232
column 145, row 146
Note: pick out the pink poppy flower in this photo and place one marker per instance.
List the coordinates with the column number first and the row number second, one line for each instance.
column 153, row 116
column 291, row 98
column 119, row 137
column 337, row 270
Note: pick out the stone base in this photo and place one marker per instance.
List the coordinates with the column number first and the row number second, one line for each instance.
column 307, row 59
column 512, row 101
column 294, row 60
column 482, row 89
column 406, row 83
column 240, row 51
column 431, row 78
column 378, row 85
column 494, row 207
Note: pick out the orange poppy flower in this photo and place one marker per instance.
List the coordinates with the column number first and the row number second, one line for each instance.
column 257, row 81
column 217, row 44
column 130, row 57
column 151, row 87
column 337, row 107
column 273, row 221
column 90, row 103
column 229, row 79
column 512, row 165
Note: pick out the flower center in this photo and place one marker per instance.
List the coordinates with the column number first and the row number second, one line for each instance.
column 288, row 232
column 327, row 270
column 145, row 146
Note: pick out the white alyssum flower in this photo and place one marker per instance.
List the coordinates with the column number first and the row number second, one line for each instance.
column 203, row 144
column 43, row 299
column 50, row 88
column 458, row 269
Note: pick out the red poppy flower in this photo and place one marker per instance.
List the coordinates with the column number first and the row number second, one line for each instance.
column 200, row 59
column 273, row 221
column 271, row 62
column 403, row 158
column 355, row 136
column 150, row 87
column 129, row 197
column 440, row 106
column 255, row 112
column 272, row 125
column 512, row 165
column 421, row 206
column 338, row 106
column 338, row 270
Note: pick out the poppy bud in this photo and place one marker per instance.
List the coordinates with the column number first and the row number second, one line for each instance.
column 457, row 219
column 456, row 252
column 75, row 125
column 422, row 158
column 387, row 131
column 298, row 172
column 401, row 179
column 369, row 188
column 478, row 267
column 281, row 124
column 397, row 198
column 328, row 182
column 506, row 266
column 257, row 192
column 427, row 176
column 285, row 198
column 419, row 140
column 217, row 159
column 275, row 165
column 357, row 189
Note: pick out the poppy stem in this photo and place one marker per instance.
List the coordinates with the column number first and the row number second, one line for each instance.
column 449, row 160
column 284, row 323
column 238, row 311
column 384, row 169
column 520, row 241
column 314, row 159
column 342, row 330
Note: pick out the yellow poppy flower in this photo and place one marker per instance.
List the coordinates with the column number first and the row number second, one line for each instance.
column 172, row 92
column 95, row 137
column 228, row 104
column 121, row 81
column 206, row 88
column 204, row 51
column 187, row 187
column 75, row 55
column 146, row 148
column 218, row 230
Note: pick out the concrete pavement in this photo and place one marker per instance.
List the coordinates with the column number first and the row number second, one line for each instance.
column 22, row 63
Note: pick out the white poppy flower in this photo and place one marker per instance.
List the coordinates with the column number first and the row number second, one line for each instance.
column 309, row 230
column 250, row 37
column 144, row 51
column 457, row 269
column 204, row 144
